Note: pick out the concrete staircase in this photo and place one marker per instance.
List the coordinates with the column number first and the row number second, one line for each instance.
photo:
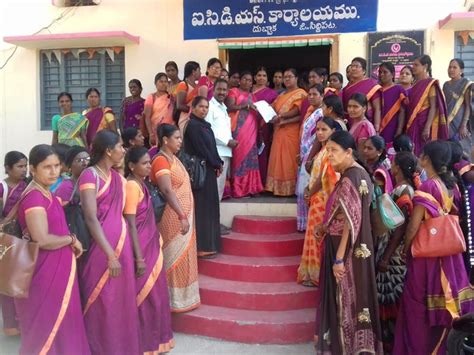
column 248, row 292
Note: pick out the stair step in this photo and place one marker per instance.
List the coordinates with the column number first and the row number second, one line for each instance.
column 251, row 269
column 264, row 225
column 242, row 244
column 260, row 296
column 254, row 327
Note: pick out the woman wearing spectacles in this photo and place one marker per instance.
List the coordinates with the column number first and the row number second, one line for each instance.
column 77, row 159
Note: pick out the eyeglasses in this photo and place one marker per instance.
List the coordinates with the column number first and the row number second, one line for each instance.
column 83, row 160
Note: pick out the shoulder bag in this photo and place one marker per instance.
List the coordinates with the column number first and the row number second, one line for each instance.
column 75, row 217
column 385, row 214
column 439, row 236
column 18, row 254
column 195, row 166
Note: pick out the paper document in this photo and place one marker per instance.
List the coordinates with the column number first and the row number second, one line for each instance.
column 265, row 110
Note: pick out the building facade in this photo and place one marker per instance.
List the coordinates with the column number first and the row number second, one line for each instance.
column 52, row 46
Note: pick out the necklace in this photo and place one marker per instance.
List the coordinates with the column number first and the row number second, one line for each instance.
column 170, row 159
column 104, row 176
column 41, row 189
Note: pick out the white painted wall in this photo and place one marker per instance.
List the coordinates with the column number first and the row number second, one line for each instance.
column 159, row 23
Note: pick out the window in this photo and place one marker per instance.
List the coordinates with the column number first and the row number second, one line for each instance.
column 75, row 75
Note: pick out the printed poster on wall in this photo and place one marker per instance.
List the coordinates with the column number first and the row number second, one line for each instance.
column 211, row 19
column 399, row 48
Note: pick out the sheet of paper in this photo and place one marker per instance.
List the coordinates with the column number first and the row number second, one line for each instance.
column 265, row 110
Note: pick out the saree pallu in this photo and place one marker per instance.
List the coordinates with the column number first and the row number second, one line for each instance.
column 161, row 112
column 98, row 120
column 110, row 306
column 417, row 113
column 369, row 87
column 191, row 93
column 308, row 271
column 132, row 112
column 10, row 321
column 390, row 283
column 362, row 130
column 436, row 289
column 245, row 172
column 392, row 101
column 348, row 318
column 70, row 129
column 152, row 291
column 207, row 82
column 50, row 318
column 265, row 131
column 283, row 167
column 307, row 136
column 454, row 94
column 179, row 251
column 329, row 91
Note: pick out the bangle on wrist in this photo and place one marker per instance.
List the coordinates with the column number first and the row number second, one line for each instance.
column 139, row 260
column 111, row 257
column 73, row 239
column 338, row 261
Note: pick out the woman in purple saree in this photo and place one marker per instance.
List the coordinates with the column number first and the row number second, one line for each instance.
column 393, row 107
column 152, row 291
column 50, row 318
column 99, row 117
column 107, row 275
column 10, row 191
column 132, row 106
column 348, row 318
column 426, row 112
column 436, row 289
column 261, row 91
column 369, row 87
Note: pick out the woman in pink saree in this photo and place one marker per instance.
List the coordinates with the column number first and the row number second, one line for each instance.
column 107, row 275
column 50, row 318
column 16, row 166
column 99, row 117
column 261, row 91
column 361, row 84
column 426, row 113
column 361, row 128
column 151, row 288
column 245, row 172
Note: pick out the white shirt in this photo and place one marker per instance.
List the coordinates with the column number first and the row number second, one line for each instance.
column 220, row 124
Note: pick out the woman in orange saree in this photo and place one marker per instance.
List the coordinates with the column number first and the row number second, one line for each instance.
column 321, row 184
column 283, row 166
column 158, row 107
column 177, row 226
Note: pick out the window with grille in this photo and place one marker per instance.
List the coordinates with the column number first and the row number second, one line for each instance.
column 75, row 74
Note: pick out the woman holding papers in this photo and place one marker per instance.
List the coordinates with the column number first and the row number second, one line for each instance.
column 245, row 171
column 283, row 167
column 262, row 92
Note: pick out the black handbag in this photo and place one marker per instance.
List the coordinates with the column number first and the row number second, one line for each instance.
column 157, row 199
column 75, row 217
column 196, row 168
